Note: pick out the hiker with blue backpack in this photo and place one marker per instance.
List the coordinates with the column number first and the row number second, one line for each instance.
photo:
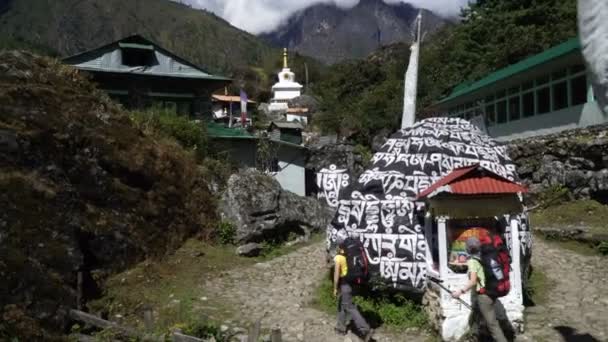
column 488, row 269
column 350, row 270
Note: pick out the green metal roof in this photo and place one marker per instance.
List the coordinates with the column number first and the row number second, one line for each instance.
column 216, row 130
column 514, row 69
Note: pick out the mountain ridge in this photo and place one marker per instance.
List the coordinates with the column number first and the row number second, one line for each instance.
column 67, row 27
column 333, row 34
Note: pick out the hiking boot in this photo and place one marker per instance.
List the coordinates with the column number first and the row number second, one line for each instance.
column 340, row 331
column 368, row 336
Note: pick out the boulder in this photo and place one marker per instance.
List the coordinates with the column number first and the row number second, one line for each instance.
column 380, row 138
column 249, row 250
column 343, row 156
column 8, row 141
column 305, row 101
column 260, row 209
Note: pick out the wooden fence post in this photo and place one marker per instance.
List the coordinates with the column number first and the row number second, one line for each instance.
column 275, row 335
column 148, row 319
column 254, row 332
column 79, row 290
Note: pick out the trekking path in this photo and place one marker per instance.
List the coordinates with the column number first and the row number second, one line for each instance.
column 282, row 289
column 576, row 308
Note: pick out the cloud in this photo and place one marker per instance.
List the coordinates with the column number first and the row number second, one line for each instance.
column 445, row 8
column 258, row 16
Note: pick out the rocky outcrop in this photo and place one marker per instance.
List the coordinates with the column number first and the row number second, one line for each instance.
column 261, row 210
column 305, row 101
column 81, row 190
column 343, row 156
column 575, row 161
column 249, row 250
column 333, row 34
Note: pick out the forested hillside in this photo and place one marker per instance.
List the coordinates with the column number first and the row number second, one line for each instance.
column 65, row 27
column 492, row 35
column 361, row 98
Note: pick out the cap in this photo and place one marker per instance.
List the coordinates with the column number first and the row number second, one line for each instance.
column 473, row 245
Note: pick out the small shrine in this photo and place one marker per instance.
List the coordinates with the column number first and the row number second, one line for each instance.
column 285, row 89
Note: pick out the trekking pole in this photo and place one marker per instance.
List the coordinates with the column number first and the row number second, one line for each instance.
column 439, row 281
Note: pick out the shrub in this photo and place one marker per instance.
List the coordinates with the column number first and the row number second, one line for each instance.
column 393, row 310
column 366, row 154
column 603, row 248
column 226, row 232
column 186, row 132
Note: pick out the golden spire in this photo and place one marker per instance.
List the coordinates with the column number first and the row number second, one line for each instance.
column 285, row 58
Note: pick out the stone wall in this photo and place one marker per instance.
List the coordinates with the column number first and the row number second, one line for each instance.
column 574, row 160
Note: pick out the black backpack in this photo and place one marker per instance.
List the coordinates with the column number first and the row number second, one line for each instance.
column 356, row 261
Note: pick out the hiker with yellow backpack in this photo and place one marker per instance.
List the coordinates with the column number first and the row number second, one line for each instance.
column 351, row 269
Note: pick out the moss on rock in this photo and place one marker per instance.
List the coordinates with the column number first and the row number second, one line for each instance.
column 82, row 189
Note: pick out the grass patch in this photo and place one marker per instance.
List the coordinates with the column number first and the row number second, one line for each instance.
column 576, row 213
column 574, row 246
column 583, row 213
column 275, row 249
column 171, row 287
column 391, row 310
column 538, row 288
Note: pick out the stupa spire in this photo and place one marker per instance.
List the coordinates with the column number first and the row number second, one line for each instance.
column 284, row 58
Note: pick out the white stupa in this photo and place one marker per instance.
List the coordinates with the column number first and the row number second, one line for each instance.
column 286, row 89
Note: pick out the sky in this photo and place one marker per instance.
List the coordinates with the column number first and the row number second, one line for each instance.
column 259, row 16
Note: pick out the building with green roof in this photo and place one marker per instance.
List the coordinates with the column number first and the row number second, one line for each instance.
column 285, row 156
column 542, row 94
column 139, row 73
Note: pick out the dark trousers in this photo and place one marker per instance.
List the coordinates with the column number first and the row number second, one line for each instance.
column 485, row 306
column 346, row 309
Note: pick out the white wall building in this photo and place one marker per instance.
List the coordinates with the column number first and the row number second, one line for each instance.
column 543, row 94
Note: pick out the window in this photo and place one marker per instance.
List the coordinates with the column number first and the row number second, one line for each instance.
column 514, row 90
column 578, row 91
column 560, row 95
column 543, row 98
column 514, row 110
column 500, row 94
column 501, row 112
column 170, row 106
column 577, row 68
column 491, row 115
column 138, row 57
column 528, row 104
column 558, row 75
column 274, row 166
column 527, row 85
column 542, row 80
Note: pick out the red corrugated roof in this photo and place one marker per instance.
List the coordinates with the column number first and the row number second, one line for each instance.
column 473, row 180
column 229, row 98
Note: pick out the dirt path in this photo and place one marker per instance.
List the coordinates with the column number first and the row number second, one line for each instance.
column 577, row 306
column 281, row 291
